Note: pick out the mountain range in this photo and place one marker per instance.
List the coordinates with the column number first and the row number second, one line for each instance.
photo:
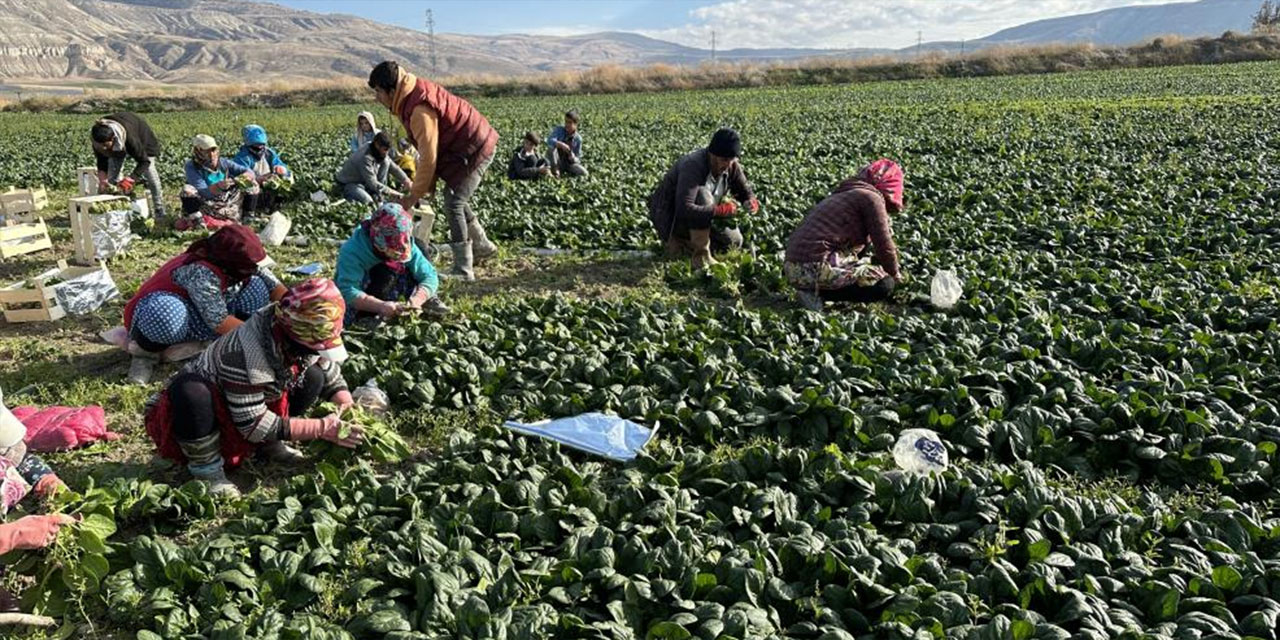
column 218, row 41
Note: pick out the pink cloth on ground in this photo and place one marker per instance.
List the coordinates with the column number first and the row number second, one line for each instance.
column 63, row 428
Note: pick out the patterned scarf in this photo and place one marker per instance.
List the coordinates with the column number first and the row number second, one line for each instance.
column 887, row 177
column 390, row 231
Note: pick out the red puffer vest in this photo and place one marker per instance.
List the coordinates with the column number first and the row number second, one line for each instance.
column 465, row 137
column 163, row 281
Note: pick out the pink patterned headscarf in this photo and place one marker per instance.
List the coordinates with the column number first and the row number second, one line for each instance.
column 887, row 177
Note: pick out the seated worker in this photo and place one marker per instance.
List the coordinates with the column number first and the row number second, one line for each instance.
column 363, row 177
column 564, row 148
column 244, row 394
column 205, row 292
column 822, row 260
column 265, row 163
column 695, row 190
column 380, row 265
column 525, row 163
column 219, row 191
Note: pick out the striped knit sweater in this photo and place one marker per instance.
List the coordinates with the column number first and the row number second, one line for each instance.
column 846, row 221
column 248, row 367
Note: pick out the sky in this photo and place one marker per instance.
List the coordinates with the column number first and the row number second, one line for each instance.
column 818, row 24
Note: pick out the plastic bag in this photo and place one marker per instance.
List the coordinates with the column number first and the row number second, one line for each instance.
column 422, row 230
column 277, row 229
column 111, row 233
column 920, row 451
column 945, row 290
column 86, row 293
column 372, row 399
column 603, row 435
column 320, row 196
column 142, row 208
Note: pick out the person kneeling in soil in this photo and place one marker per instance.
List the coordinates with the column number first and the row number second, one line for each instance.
column 200, row 294
column 822, row 260
column 265, row 163
column 363, row 177
column 695, row 191
column 380, row 264
column 564, row 148
column 218, row 191
column 525, row 163
column 242, row 394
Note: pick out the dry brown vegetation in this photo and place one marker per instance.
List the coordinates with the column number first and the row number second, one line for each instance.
column 285, row 92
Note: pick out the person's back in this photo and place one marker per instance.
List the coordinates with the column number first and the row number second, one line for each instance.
column 838, row 222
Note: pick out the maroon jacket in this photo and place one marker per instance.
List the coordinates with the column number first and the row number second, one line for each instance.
column 465, row 138
column 845, row 221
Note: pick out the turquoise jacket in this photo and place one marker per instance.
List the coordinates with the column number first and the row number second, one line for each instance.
column 356, row 258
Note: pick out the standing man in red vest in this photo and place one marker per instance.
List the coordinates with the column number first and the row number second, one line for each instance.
column 455, row 144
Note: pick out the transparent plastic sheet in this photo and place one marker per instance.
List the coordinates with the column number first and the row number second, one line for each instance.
column 111, row 233
column 608, row 436
column 86, row 293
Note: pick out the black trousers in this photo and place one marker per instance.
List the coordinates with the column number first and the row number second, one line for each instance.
column 192, row 402
column 874, row 293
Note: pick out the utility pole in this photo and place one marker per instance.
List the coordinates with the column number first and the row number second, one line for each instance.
column 713, row 45
column 919, row 42
column 431, row 42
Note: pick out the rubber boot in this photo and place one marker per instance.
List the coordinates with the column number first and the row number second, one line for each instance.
column 280, row 452
column 482, row 248
column 204, row 460
column 677, row 247
column 700, row 241
column 141, row 367
column 809, row 300
column 462, row 260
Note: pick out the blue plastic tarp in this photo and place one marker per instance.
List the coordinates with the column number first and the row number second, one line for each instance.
column 603, row 435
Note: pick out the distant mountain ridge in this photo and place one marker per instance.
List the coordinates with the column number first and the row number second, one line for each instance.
column 219, row 41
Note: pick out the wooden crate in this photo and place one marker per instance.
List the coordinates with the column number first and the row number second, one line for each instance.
column 16, row 206
column 21, row 239
column 34, row 291
column 87, row 181
column 82, row 226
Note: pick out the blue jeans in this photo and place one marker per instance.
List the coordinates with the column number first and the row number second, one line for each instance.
column 165, row 319
column 356, row 192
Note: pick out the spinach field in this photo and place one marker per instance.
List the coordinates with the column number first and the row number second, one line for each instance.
column 1107, row 389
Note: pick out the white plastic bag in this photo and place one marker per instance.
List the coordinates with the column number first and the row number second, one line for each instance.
column 370, row 398
column 276, row 231
column 141, row 209
column 945, row 290
column 320, row 196
column 87, row 293
column 920, row 451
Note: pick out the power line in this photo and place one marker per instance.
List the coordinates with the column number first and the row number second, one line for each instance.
column 431, row 42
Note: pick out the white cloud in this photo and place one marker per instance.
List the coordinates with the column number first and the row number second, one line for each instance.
column 864, row 23
column 561, row 30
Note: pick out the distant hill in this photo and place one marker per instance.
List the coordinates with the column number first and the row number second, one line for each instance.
column 1129, row 25
column 220, row 41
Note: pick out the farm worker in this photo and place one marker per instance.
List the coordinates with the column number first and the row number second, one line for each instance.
column 564, row 147
column 455, row 145
column 380, row 264
column 822, row 259
column 242, row 395
column 213, row 196
column 264, row 161
column 366, row 128
column 407, row 159
column 363, row 177
column 126, row 134
column 21, row 472
column 525, row 163
column 695, row 191
column 207, row 291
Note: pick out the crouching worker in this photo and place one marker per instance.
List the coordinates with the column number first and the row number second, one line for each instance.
column 265, row 163
column 242, row 394
column 823, row 255
column 126, row 135
column 525, row 163
column 702, row 185
column 218, row 191
column 380, row 265
column 205, row 292
column 363, row 177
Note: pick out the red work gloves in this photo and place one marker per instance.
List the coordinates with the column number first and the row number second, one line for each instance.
column 126, row 185
column 32, row 532
column 753, row 205
column 725, row 209
column 280, row 170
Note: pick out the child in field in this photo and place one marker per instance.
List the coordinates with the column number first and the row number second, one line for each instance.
column 525, row 163
column 564, row 147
